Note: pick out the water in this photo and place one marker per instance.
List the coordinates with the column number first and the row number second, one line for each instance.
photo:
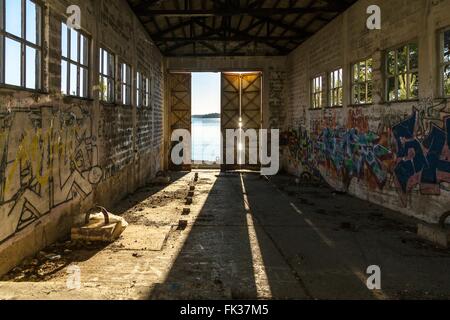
column 206, row 139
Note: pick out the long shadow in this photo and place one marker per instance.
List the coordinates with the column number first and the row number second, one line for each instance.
column 215, row 261
column 307, row 251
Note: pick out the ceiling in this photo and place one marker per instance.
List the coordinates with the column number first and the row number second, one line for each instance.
column 234, row 27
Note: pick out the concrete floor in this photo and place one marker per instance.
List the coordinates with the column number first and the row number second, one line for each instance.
column 246, row 238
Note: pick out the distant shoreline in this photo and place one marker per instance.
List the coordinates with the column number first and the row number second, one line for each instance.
column 207, row 116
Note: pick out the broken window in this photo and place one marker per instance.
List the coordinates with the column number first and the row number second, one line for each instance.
column 125, row 84
column 336, row 88
column 362, row 86
column 317, row 92
column 402, row 69
column 107, row 76
column 20, row 38
column 74, row 62
column 445, row 62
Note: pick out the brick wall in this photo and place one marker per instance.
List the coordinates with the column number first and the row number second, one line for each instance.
column 60, row 155
column 355, row 148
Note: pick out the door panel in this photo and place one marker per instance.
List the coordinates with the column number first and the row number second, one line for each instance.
column 241, row 102
column 180, row 110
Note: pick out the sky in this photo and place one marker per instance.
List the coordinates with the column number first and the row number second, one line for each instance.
column 205, row 93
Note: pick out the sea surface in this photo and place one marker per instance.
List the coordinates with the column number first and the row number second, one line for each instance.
column 206, row 139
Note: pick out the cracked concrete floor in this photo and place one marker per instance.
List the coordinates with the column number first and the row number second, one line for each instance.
column 248, row 238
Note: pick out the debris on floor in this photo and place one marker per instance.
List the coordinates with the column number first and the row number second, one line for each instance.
column 102, row 226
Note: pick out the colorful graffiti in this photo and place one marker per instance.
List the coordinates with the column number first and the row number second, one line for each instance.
column 48, row 157
column 410, row 154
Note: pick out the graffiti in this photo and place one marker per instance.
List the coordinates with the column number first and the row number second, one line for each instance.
column 48, row 157
column 424, row 162
column 350, row 152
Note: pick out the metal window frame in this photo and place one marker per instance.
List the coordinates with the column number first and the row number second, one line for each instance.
column 357, row 83
column 24, row 44
column 77, row 63
column 124, row 83
column 397, row 73
column 110, row 56
column 334, row 89
column 317, row 96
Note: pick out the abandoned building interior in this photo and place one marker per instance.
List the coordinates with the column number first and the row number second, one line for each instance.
column 87, row 116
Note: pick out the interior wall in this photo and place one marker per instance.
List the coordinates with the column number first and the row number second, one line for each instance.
column 339, row 144
column 60, row 156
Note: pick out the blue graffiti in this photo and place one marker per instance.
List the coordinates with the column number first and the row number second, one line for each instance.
column 421, row 162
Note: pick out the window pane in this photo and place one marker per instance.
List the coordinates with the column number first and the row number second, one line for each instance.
column 31, row 68
column 73, row 45
column 355, row 72
column 447, row 46
column 110, row 65
column 13, row 17
column 402, row 59
column 414, row 85
column 391, row 63
column 110, row 91
column 83, row 82
column 355, row 94
column 84, row 48
column 413, row 56
column 369, row 66
column 369, row 92
column 391, row 89
column 12, row 62
column 102, row 88
column 32, row 21
column 403, row 86
column 104, row 62
column 362, row 93
column 447, row 80
column 64, row 77
column 64, row 44
column 73, row 79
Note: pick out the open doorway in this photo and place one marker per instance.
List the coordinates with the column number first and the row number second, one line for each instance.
column 206, row 119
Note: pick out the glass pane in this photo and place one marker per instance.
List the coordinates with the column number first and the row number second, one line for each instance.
column 369, row 65
column 110, row 65
column 355, row 94
column 64, row 43
column 104, row 62
column 362, row 93
column 32, row 21
column 391, row 63
column 447, row 80
column 447, row 46
column 13, row 17
column 13, row 54
column 31, row 68
column 355, row 72
column 413, row 56
column 84, row 46
column 110, row 91
column 73, row 45
column 102, row 88
column 402, row 59
column 73, row 79
column 391, row 89
column 83, row 82
column 64, row 77
column 414, row 85
column 403, row 86
column 369, row 92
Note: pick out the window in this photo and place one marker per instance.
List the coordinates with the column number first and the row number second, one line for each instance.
column 142, row 90
column 362, row 86
column 445, row 62
column 317, row 93
column 107, row 78
column 146, row 91
column 74, row 62
column 125, row 84
column 336, row 88
column 20, row 38
column 403, row 73
column 138, row 89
